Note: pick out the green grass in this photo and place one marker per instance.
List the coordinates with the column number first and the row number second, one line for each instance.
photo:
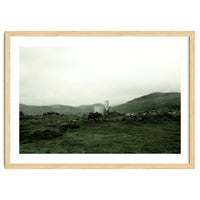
column 100, row 137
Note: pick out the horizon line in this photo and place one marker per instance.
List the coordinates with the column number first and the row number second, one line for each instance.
column 97, row 103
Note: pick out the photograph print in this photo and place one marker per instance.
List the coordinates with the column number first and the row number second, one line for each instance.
column 105, row 95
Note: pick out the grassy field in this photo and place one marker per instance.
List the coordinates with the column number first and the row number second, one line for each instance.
column 49, row 135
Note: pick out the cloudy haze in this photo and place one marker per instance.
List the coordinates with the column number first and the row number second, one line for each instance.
column 87, row 75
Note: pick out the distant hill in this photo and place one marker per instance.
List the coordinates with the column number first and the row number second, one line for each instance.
column 155, row 101
column 63, row 109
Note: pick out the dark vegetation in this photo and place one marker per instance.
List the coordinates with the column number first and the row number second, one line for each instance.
column 152, row 130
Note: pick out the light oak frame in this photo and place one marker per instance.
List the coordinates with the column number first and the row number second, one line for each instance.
column 190, row 34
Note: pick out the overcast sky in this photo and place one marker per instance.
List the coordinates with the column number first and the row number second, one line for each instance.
column 91, row 74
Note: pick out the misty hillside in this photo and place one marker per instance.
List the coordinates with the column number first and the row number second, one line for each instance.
column 63, row 109
column 155, row 101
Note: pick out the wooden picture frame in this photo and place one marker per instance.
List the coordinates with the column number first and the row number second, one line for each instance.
column 50, row 165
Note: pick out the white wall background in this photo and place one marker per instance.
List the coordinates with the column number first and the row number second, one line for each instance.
column 99, row 15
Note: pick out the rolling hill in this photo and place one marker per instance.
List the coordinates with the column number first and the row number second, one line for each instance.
column 63, row 109
column 155, row 101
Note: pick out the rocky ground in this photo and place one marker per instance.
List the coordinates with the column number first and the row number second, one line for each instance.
column 81, row 133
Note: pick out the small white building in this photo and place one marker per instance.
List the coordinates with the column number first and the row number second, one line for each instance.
column 102, row 108
column 99, row 109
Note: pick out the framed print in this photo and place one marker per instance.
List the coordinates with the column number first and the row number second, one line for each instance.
column 99, row 99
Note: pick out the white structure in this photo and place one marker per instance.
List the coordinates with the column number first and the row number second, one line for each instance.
column 102, row 108
column 99, row 109
column 106, row 105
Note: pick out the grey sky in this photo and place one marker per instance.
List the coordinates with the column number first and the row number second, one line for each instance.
column 87, row 75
